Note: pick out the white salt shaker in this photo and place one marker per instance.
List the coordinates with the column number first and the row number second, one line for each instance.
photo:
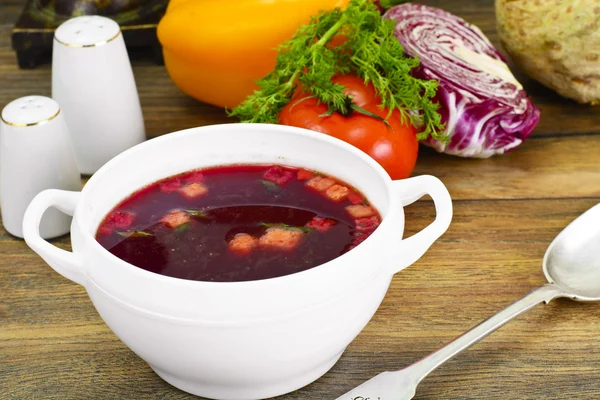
column 93, row 82
column 35, row 154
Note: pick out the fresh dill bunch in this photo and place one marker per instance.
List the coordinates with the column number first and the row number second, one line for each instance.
column 367, row 48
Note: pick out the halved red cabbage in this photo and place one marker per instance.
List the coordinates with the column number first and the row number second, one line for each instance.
column 485, row 109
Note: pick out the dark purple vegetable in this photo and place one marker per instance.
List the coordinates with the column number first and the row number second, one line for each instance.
column 485, row 109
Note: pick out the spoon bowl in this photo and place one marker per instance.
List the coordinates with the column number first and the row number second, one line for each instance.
column 572, row 261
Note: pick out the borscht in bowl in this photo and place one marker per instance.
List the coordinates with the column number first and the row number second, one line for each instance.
column 238, row 223
column 239, row 260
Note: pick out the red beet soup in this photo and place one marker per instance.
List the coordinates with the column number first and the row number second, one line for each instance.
column 238, row 223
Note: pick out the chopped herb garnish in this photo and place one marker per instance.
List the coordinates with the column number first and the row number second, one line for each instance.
column 197, row 213
column 182, row 227
column 270, row 186
column 134, row 234
column 304, row 229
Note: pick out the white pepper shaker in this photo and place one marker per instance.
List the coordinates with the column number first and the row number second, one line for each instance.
column 93, row 82
column 35, row 154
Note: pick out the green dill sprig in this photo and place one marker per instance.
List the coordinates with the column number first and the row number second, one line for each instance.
column 369, row 49
column 270, row 186
column 197, row 213
column 385, row 4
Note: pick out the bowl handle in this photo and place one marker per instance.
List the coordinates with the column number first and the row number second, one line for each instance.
column 64, row 262
column 410, row 190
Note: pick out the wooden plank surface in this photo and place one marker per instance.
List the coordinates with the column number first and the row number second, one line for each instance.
column 53, row 344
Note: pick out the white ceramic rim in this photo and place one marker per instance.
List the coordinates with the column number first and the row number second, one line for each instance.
column 91, row 240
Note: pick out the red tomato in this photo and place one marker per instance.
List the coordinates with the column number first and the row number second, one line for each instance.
column 394, row 147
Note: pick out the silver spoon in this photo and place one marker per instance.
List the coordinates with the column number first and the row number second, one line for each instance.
column 572, row 267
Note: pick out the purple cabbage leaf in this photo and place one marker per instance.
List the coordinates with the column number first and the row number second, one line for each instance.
column 484, row 107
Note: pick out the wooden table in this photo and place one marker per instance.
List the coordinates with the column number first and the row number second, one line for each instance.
column 53, row 344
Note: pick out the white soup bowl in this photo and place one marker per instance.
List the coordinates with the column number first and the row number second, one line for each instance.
column 239, row 340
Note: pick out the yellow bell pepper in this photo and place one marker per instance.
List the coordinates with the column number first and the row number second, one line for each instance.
column 215, row 50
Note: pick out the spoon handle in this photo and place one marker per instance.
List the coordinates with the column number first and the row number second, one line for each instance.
column 425, row 366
